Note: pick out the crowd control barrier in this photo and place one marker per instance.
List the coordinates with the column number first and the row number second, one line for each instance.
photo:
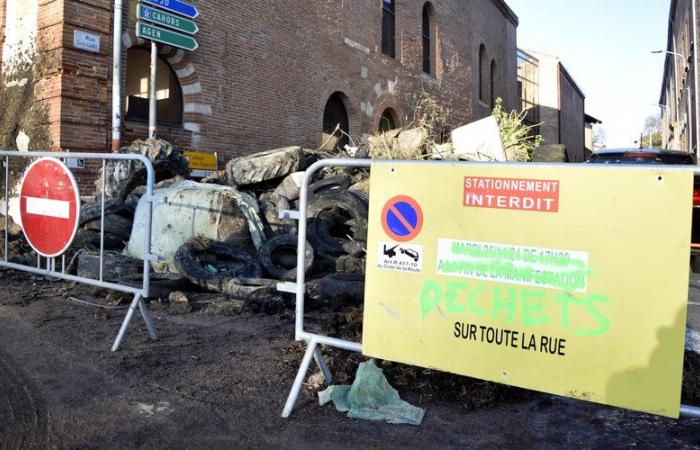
column 314, row 341
column 52, row 267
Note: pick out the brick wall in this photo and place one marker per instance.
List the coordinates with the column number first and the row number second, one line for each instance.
column 264, row 70
column 572, row 117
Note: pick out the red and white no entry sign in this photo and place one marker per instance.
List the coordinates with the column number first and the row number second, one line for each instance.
column 49, row 206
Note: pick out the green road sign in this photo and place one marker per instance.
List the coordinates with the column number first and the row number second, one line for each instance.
column 164, row 36
column 158, row 17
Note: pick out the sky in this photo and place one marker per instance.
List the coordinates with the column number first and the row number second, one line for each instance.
column 606, row 47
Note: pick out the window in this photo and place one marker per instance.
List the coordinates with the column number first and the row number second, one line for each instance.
column 168, row 91
column 427, row 44
column 493, row 83
column 528, row 85
column 389, row 27
column 336, row 115
column 482, row 69
column 388, row 121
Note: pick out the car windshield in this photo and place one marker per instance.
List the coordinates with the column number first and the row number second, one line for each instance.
column 641, row 158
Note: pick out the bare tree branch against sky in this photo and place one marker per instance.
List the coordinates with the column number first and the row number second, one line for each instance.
column 606, row 46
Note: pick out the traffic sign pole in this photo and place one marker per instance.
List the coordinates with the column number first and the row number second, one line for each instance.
column 153, row 92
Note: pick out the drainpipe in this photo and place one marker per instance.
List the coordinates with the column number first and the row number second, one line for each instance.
column 117, row 76
column 676, row 100
column 696, row 91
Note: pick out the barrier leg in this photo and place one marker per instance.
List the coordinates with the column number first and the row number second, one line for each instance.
column 321, row 362
column 147, row 318
column 299, row 380
column 125, row 324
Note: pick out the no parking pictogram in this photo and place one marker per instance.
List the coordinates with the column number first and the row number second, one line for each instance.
column 402, row 218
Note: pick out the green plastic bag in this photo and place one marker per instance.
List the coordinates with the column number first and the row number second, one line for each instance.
column 371, row 397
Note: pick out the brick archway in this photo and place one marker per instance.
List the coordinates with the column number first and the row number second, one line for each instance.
column 194, row 108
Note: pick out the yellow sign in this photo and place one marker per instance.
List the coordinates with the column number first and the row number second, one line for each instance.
column 201, row 160
column 572, row 281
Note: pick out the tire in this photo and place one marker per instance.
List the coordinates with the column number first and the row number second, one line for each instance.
column 265, row 166
column 350, row 264
column 278, row 257
column 242, row 288
column 115, row 225
column 132, row 202
column 270, row 205
column 164, row 170
column 115, row 267
column 327, row 184
column 161, row 284
column 339, row 222
column 93, row 211
column 340, row 289
column 91, row 240
column 695, row 264
column 195, row 257
column 265, row 301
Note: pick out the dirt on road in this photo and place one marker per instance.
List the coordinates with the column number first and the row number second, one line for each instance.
column 220, row 381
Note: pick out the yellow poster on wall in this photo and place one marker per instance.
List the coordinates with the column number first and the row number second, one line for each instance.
column 568, row 280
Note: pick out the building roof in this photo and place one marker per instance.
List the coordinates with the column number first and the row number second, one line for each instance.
column 505, row 9
column 592, row 120
column 541, row 55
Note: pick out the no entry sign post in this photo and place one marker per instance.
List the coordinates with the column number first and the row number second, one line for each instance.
column 49, row 206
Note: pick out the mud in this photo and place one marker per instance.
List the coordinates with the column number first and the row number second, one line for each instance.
column 220, row 381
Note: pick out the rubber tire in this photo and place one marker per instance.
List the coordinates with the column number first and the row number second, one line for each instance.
column 695, row 264
column 115, row 266
column 354, row 205
column 242, row 288
column 115, row 225
column 264, row 166
column 164, row 170
column 92, row 211
column 327, row 184
column 276, row 267
column 343, row 288
column 187, row 263
column 270, row 206
column 160, row 284
column 132, row 202
column 91, row 240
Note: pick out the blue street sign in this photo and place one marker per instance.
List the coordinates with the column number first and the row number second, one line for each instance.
column 176, row 6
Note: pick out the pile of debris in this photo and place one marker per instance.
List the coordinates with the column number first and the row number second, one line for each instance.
column 224, row 234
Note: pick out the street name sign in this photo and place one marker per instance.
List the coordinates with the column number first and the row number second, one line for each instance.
column 567, row 280
column 165, row 36
column 166, row 19
column 176, row 6
column 49, row 206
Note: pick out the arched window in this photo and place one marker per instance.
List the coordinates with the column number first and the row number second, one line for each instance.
column 336, row 115
column 388, row 121
column 389, row 27
column 428, row 65
column 168, row 90
column 482, row 70
column 493, row 83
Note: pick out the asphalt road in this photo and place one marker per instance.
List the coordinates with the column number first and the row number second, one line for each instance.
column 694, row 311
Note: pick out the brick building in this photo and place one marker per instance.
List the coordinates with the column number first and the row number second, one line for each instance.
column 266, row 74
column 678, row 101
column 553, row 101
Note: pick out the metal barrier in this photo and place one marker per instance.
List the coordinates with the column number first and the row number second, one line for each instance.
column 313, row 340
column 50, row 270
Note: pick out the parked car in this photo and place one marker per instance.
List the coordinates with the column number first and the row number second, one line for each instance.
column 654, row 156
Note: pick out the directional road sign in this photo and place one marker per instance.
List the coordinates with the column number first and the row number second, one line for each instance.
column 166, row 19
column 49, row 206
column 176, row 6
column 165, row 36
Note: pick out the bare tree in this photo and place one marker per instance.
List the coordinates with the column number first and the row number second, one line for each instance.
column 600, row 138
